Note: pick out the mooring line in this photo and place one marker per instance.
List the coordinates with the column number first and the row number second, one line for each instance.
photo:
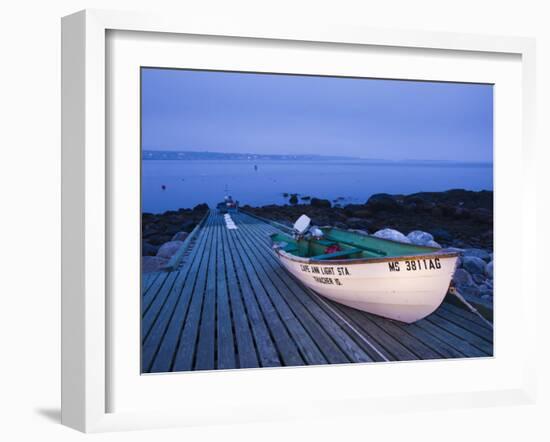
column 365, row 340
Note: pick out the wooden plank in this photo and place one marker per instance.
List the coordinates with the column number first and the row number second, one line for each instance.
column 391, row 346
column 149, row 296
column 436, row 342
column 185, row 355
column 286, row 347
column 161, row 343
column 309, row 348
column 466, row 314
column 147, row 279
column 482, row 344
column 267, row 352
column 225, row 342
column 399, row 331
column 246, row 351
column 206, row 346
column 323, row 329
column 482, row 332
column 149, row 316
column 460, row 344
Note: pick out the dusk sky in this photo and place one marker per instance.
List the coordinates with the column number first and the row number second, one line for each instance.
column 284, row 114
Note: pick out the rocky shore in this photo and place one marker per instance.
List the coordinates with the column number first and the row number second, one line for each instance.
column 163, row 234
column 457, row 219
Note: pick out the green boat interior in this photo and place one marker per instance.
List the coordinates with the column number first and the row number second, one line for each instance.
column 340, row 244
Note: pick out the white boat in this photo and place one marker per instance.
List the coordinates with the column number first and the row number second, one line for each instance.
column 405, row 282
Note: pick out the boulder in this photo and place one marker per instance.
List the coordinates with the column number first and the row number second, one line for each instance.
column 150, row 229
column 359, row 231
column 318, row 202
column 356, row 223
column 478, row 278
column 158, row 240
column 462, row 278
column 419, row 237
column 474, row 264
column 393, row 235
column 437, row 212
column 432, row 243
column 180, row 236
column 383, row 202
column 168, row 249
column 185, row 226
column 489, row 270
column 201, row 207
column 148, row 249
column 483, row 215
column 441, row 234
column 152, row 263
column 478, row 253
column 362, row 213
column 484, row 290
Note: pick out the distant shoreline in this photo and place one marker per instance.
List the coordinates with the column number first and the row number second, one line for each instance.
column 150, row 155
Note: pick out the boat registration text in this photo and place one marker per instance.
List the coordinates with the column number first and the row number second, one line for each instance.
column 415, row 265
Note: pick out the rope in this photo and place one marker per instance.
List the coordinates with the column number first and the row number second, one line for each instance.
column 455, row 292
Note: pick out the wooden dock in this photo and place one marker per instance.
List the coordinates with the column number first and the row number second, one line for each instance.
column 230, row 304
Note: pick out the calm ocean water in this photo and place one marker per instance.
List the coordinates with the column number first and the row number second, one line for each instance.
column 189, row 183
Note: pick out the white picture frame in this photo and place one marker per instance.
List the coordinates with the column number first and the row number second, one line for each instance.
column 86, row 211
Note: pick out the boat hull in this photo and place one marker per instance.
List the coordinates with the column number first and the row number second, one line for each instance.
column 406, row 289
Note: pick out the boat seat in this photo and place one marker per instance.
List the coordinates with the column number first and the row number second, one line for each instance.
column 340, row 254
column 290, row 249
column 325, row 242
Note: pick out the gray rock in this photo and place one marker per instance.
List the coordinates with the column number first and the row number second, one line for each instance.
column 152, row 263
column 148, row 249
column 478, row 278
column 473, row 264
column 478, row 253
column 319, row 202
column 393, row 235
column 168, row 249
column 360, row 231
column 180, row 236
column 489, row 270
column 462, row 278
column 442, row 235
column 420, row 238
column 485, row 291
column 433, row 243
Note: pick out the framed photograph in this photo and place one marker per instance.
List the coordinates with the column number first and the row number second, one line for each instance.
column 268, row 223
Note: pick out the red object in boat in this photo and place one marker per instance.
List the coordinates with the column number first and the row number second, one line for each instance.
column 333, row 249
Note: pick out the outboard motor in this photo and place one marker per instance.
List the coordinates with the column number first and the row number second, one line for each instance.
column 301, row 226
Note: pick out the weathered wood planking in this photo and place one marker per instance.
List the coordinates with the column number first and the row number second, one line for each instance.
column 232, row 305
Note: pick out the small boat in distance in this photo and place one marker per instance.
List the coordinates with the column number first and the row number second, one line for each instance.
column 400, row 281
column 228, row 205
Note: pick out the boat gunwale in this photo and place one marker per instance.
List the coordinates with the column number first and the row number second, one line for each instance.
column 437, row 253
column 355, row 261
